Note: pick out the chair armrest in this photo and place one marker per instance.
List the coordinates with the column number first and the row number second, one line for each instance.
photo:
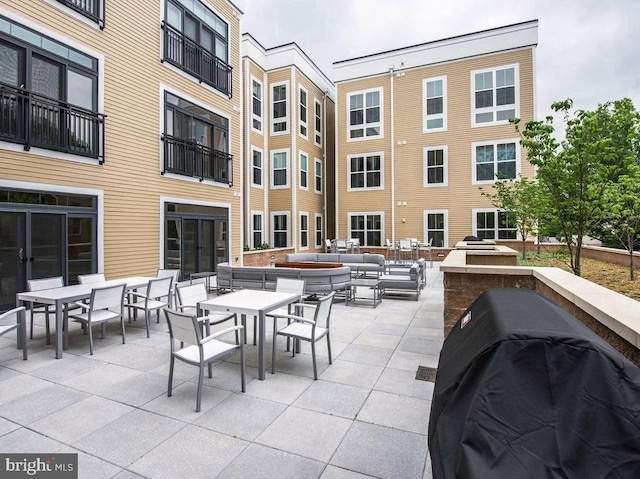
column 221, row 333
column 11, row 312
column 142, row 295
column 81, row 305
column 296, row 318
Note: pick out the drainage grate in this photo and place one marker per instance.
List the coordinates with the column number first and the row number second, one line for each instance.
column 426, row 374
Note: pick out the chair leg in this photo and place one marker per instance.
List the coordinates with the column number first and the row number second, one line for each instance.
column 200, row 380
column 146, row 321
column 122, row 327
column 329, row 347
column 170, row 385
column 242, row 378
column 313, row 356
column 158, row 316
column 90, row 339
column 104, row 329
column 273, row 347
column 47, row 324
column 255, row 330
column 235, row 323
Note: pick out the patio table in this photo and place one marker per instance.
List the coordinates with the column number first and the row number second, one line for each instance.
column 69, row 294
column 252, row 303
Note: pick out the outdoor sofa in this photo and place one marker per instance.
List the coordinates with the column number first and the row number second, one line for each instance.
column 359, row 263
column 403, row 280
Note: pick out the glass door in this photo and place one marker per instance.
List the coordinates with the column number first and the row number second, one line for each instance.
column 13, row 255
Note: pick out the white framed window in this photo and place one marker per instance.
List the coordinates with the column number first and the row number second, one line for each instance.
column 280, row 168
column 436, row 227
column 279, row 108
column 303, row 114
column 318, row 175
column 490, row 223
column 319, row 220
column 257, row 228
column 364, row 115
column 256, row 105
column 493, row 160
column 257, row 173
column 304, row 171
column 367, row 226
column 365, row 172
column 435, row 166
column 495, row 95
column 304, row 230
column 317, row 106
column 435, row 104
column 280, row 229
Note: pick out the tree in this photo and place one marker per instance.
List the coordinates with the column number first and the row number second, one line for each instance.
column 521, row 200
column 574, row 172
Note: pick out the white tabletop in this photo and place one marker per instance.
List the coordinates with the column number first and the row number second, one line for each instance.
column 249, row 301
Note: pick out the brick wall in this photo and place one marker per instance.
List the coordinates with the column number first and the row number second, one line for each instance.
column 264, row 257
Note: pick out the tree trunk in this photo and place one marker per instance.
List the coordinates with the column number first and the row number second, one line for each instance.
column 632, row 274
column 524, row 249
column 576, row 266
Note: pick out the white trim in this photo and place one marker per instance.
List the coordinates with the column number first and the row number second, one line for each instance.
column 496, row 229
column 306, row 214
column 365, row 125
column 287, row 117
column 78, row 15
column 262, row 105
column 365, row 156
column 317, row 216
column 287, row 152
column 426, row 214
column 495, row 108
column 300, row 155
column 301, row 123
column 272, row 216
column 474, row 180
column 317, row 102
column 29, row 185
column 440, row 116
column 165, row 88
column 445, row 164
column 366, row 213
column 252, row 166
column 252, row 230
column 316, row 162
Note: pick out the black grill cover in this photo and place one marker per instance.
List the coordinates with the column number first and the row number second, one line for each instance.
column 524, row 390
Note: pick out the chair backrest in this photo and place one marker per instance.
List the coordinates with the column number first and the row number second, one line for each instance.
column 289, row 285
column 341, row 243
column 429, row 243
column 91, row 278
column 323, row 310
column 191, row 294
column 183, row 327
column 10, row 326
column 111, row 298
column 168, row 273
column 159, row 288
column 355, row 241
column 405, row 244
column 387, row 243
column 45, row 283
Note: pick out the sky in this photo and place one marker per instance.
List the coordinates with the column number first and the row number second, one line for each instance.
column 588, row 50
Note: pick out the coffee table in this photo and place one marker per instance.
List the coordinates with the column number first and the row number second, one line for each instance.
column 373, row 283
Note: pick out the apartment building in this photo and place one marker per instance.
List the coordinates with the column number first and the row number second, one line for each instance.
column 421, row 128
column 120, row 138
column 288, row 149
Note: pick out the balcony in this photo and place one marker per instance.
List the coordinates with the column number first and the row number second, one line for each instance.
column 34, row 120
column 92, row 9
column 187, row 55
column 189, row 158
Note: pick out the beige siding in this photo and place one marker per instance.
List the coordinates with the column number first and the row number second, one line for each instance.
column 130, row 177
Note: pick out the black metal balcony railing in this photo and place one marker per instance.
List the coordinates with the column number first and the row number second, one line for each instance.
column 192, row 159
column 187, row 55
column 35, row 120
column 92, row 9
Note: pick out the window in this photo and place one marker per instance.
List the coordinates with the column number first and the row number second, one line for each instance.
column 304, row 230
column 196, row 41
column 257, row 230
column 92, row 9
column 318, row 122
column 435, row 166
column 196, row 141
column 49, row 94
column 319, row 230
column 493, row 224
column 279, row 110
column 495, row 95
column 495, row 160
column 304, row 171
column 280, row 229
column 256, row 105
column 279, row 169
column 318, row 175
column 435, row 222
column 367, row 227
column 365, row 171
column 435, row 104
column 365, row 114
column 303, row 112
column 256, row 177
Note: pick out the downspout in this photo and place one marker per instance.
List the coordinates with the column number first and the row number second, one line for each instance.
column 248, row 159
column 393, row 159
column 239, row 195
column 295, row 160
column 323, row 139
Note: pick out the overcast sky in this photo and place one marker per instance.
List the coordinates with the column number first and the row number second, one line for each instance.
column 588, row 50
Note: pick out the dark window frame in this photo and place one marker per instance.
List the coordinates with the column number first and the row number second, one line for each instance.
column 94, row 10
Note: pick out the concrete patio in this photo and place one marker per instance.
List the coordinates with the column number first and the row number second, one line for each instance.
column 366, row 415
